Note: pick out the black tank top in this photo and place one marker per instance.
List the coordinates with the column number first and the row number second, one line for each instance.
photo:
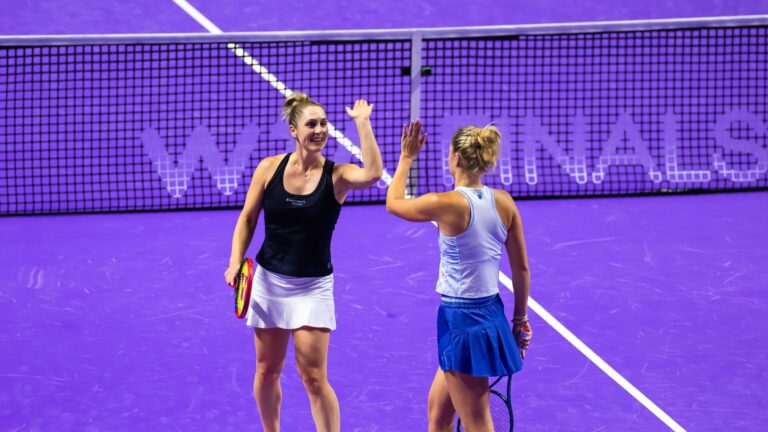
column 298, row 228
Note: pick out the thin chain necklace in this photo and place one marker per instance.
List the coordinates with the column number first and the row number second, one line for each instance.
column 308, row 172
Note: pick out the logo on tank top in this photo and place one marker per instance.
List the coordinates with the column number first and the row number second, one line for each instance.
column 295, row 202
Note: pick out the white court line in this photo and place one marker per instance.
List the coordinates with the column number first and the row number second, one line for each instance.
column 596, row 359
column 504, row 279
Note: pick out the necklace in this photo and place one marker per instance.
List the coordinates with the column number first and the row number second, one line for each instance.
column 309, row 171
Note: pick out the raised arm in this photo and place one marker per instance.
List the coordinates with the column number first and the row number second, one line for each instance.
column 424, row 208
column 351, row 175
column 246, row 222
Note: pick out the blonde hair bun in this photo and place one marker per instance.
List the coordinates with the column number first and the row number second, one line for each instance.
column 478, row 147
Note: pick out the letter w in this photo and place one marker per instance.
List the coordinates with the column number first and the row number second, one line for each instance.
column 176, row 174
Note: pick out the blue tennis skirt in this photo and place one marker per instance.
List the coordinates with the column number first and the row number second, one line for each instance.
column 474, row 337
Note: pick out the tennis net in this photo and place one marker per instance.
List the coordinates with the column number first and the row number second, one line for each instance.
column 139, row 123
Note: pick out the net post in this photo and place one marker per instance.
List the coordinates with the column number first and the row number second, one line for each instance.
column 415, row 99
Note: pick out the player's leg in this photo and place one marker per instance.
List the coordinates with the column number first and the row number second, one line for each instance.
column 312, row 362
column 271, row 346
column 440, row 410
column 470, row 396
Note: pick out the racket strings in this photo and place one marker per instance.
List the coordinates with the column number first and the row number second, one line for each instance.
column 500, row 413
column 243, row 288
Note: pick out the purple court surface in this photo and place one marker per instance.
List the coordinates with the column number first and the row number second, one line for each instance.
column 122, row 322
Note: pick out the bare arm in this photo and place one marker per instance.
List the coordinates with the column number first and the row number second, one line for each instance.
column 424, row 208
column 518, row 262
column 352, row 176
column 246, row 222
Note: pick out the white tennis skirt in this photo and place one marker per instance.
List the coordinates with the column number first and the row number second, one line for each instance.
column 279, row 301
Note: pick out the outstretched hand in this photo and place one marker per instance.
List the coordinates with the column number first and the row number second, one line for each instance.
column 361, row 110
column 412, row 140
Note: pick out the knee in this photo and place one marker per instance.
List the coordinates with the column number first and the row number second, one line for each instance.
column 267, row 374
column 314, row 381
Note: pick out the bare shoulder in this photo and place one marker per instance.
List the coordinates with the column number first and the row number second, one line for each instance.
column 450, row 199
column 270, row 161
column 502, row 196
column 449, row 209
column 442, row 203
column 505, row 205
column 453, row 204
column 269, row 164
column 266, row 169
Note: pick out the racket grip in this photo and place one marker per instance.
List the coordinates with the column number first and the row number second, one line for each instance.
column 525, row 334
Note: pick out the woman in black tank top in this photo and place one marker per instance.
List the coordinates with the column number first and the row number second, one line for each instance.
column 301, row 194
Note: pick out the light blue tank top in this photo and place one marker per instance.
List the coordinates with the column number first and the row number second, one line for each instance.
column 469, row 262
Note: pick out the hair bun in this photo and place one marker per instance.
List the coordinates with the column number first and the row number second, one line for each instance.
column 477, row 146
column 294, row 104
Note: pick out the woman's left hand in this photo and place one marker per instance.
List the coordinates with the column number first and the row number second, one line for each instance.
column 523, row 334
column 361, row 110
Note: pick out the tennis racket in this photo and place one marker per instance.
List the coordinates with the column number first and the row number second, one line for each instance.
column 243, row 284
column 500, row 399
column 501, row 406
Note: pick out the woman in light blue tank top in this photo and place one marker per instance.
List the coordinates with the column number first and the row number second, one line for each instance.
column 475, row 223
